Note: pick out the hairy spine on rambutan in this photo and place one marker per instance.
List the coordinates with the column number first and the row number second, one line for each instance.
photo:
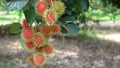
column 55, row 29
column 39, row 59
column 40, row 7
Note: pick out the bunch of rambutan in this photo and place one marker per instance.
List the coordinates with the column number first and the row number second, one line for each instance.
column 35, row 38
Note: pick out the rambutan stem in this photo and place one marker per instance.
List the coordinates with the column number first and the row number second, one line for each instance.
column 67, row 29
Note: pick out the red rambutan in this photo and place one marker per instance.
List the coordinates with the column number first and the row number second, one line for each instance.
column 46, row 29
column 29, row 45
column 48, row 49
column 25, row 24
column 39, row 59
column 50, row 16
column 38, row 40
column 27, row 34
column 40, row 7
column 55, row 29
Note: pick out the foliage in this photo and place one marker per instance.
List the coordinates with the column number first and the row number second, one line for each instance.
column 88, row 34
column 99, row 11
column 2, row 5
column 115, row 3
column 10, row 29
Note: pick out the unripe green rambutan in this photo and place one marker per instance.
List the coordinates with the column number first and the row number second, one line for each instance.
column 58, row 7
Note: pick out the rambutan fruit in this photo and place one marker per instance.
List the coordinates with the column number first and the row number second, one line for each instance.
column 25, row 23
column 46, row 28
column 39, row 59
column 58, row 7
column 29, row 45
column 55, row 29
column 38, row 39
column 50, row 17
column 48, row 49
column 27, row 34
column 40, row 7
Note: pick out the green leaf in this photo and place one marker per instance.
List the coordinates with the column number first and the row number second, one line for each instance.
column 70, row 18
column 68, row 12
column 72, row 28
column 15, row 28
column 18, row 4
column 30, row 14
column 84, row 4
column 63, row 30
column 33, row 2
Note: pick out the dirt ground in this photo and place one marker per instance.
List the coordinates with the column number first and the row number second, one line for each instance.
column 72, row 54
